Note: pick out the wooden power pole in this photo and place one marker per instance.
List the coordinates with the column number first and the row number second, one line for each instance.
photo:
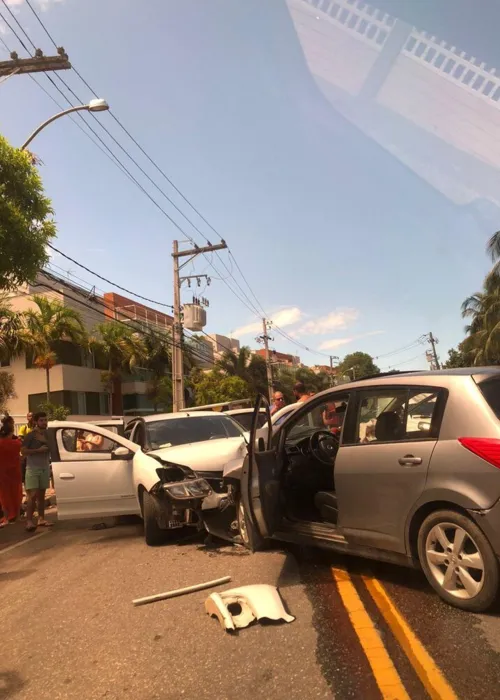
column 34, row 64
column 177, row 357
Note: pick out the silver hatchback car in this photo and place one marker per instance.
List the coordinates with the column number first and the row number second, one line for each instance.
column 402, row 468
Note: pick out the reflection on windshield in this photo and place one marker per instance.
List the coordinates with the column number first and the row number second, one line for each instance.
column 180, row 431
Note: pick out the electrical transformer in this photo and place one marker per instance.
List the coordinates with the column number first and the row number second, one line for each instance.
column 195, row 317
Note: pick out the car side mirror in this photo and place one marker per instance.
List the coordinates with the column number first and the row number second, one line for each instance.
column 122, row 453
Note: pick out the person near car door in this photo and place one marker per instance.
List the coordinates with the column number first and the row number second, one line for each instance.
column 300, row 393
column 37, row 453
column 11, row 491
column 23, row 431
column 278, row 402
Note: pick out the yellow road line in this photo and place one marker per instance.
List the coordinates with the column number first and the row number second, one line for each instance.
column 435, row 683
column 387, row 678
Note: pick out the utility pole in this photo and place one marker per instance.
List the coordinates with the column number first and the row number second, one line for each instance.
column 433, row 341
column 177, row 335
column 34, row 64
column 265, row 340
column 332, row 358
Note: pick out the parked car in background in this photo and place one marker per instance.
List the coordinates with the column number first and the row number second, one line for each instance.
column 420, row 488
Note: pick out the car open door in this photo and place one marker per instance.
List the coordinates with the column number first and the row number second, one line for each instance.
column 260, row 482
column 93, row 471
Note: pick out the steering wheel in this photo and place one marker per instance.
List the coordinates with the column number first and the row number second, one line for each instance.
column 323, row 446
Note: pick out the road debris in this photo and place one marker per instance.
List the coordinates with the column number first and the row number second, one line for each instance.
column 181, row 591
column 239, row 607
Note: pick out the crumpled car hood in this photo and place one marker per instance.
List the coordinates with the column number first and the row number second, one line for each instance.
column 239, row 607
column 210, row 455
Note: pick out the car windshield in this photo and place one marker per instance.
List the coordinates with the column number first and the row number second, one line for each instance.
column 245, row 419
column 180, row 431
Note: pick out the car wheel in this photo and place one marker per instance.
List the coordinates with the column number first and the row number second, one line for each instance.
column 153, row 533
column 458, row 560
column 242, row 524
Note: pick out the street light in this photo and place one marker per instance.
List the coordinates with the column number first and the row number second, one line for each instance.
column 93, row 106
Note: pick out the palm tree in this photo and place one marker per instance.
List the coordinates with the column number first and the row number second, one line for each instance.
column 46, row 325
column 124, row 350
column 235, row 364
column 483, row 309
column 11, row 336
column 250, row 368
column 158, row 359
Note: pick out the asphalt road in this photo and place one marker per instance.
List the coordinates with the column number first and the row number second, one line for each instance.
column 365, row 631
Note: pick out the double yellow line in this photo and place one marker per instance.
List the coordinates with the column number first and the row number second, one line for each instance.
column 386, row 676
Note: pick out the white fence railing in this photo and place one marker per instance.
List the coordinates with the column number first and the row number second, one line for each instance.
column 456, row 66
column 358, row 18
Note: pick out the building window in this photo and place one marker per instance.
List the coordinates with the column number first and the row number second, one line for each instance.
column 80, row 403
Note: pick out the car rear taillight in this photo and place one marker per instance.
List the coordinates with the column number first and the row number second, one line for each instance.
column 486, row 448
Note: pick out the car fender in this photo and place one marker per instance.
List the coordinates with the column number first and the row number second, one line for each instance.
column 145, row 473
column 462, row 495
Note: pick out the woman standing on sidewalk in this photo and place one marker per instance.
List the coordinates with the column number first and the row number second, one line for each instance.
column 11, row 492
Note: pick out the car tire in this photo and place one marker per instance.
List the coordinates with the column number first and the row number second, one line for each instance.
column 465, row 573
column 243, row 524
column 153, row 533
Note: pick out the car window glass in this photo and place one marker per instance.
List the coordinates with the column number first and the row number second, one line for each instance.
column 86, row 441
column 181, row 431
column 381, row 416
column 328, row 415
column 395, row 414
column 245, row 419
column 421, row 408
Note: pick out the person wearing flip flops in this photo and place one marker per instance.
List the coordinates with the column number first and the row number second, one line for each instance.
column 36, row 451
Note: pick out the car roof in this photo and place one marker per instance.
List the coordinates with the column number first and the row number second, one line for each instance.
column 184, row 414
column 238, row 411
column 419, row 378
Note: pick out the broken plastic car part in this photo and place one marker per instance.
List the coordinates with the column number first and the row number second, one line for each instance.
column 239, row 607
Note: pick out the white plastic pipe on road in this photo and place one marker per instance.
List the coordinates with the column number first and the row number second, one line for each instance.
column 181, row 591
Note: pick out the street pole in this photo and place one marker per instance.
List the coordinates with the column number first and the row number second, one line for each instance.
column 177, row 334
column 269, row 370
column 332, row 358
column 177, row 363
column 433, row 342
column 96, row 105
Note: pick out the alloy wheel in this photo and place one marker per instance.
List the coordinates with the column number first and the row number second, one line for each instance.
column 242, row 523
column 455, row 560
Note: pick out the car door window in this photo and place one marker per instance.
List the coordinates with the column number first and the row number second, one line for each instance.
column 85, row 442
column 392, row 415
column 326, row 415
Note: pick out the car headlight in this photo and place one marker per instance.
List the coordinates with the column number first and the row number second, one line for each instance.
column 188, row 489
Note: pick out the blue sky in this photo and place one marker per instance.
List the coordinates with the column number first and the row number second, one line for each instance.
column 345, row 246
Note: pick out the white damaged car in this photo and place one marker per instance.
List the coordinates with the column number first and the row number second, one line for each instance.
column 167, row 468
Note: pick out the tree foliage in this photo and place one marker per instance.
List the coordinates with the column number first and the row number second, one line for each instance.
column 215, row 387
column 124, row 349
column 46, row 325
column 26, row 224
column 357, row 365
column 458, row 357
column 482, row 310
column 7, row 389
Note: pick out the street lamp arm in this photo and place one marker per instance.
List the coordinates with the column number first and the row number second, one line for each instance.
column 79, row 108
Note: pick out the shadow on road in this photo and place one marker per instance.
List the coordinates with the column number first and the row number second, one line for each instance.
column 15, row 575
column 10, row 683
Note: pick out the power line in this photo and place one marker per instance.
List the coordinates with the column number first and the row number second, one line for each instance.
column 104, row 279
column 248, row 303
